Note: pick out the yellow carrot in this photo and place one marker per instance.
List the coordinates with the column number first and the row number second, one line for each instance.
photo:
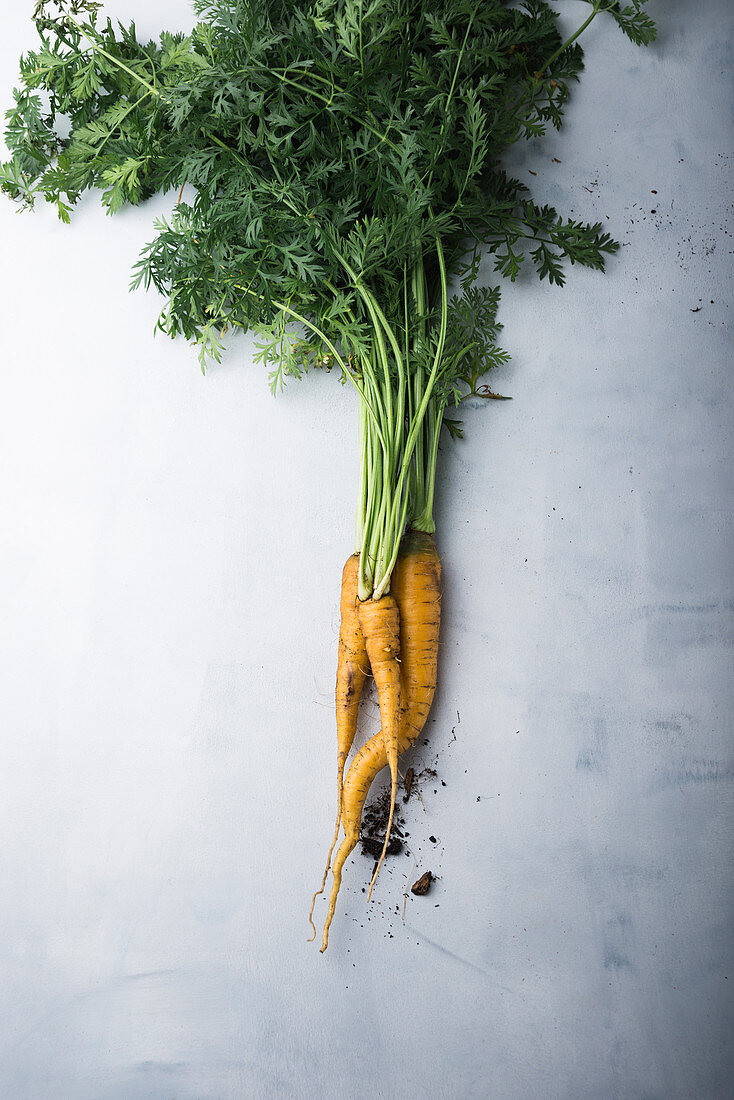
column 416, row 588
column 352, row 669
column 380, row 622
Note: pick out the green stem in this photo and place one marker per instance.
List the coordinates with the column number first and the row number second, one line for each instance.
column 420, row 297
column 597, row 7
column 348, row 373
column 373, row 460
column 119, row 122
column 564, row 46
column 399, row 500
column 115, row 60
column 363, row 483
column 449, row 98
column 423, row 520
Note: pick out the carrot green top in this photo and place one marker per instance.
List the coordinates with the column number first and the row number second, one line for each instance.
column 343, row 163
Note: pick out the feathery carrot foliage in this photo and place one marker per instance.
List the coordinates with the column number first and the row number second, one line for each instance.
column 345, row 162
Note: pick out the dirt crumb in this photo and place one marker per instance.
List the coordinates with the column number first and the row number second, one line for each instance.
column 423, row 884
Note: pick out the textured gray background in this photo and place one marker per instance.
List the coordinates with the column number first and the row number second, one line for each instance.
column 170, row 556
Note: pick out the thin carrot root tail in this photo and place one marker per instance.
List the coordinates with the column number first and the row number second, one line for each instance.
column 356, row 788
column 383, row 853
column 339, row 790
column 346, row 848
column 380, row 622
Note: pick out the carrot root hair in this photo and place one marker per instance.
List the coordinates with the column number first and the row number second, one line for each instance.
column 317, row 893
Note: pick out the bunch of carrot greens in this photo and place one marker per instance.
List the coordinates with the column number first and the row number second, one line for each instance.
column 344, row 158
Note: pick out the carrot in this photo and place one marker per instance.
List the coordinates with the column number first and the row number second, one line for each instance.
column 352, row 668
column 416, row 585
column 380, row 622
column 416, row 588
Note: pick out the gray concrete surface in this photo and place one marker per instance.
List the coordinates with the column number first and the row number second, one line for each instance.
column 170, row 554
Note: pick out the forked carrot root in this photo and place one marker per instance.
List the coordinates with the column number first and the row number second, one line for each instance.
column 416, row 589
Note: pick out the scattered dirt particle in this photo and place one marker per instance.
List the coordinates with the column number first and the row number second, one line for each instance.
column 372, row 846
column 423, row 884
column 408, row 783
column 374, row 827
